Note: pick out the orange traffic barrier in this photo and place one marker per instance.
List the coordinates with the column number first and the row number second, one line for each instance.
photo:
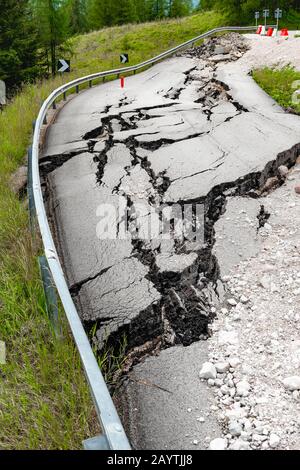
column 270, row 32
column 259, row 29
column 284, row 32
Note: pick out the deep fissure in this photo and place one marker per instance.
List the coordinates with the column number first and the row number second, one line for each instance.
column 182, row 316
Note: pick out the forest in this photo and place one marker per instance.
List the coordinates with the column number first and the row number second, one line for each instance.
column 34, row 32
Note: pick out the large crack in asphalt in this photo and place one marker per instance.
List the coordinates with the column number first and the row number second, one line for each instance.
column 183, row 314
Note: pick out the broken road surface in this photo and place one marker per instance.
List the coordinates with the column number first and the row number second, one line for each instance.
column 189, row 131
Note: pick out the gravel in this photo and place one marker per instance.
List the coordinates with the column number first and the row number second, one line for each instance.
column 268, row 52
column 257, row 358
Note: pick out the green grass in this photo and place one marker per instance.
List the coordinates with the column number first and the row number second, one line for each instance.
column 44, row 399
column 100, row 50
column 278, row 83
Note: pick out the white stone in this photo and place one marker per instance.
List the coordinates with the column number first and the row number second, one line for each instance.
column 236, row 412
column 239, row 444
column 232, row 302
column 218, row 383
column 222, row 367
column 235, row 428
column 225, row 390
column 292, row 383
column 208, row 371
column 242, row 388
column 274, row 440
column 265, row 282
column 283, row 171
column 234, row 362
column 228, row 337
column 268, row 227
column 218, row 444
column 244, row 299
column 247, row 425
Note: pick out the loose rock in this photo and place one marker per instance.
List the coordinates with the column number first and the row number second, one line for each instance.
column 235, row 428
column 218, row 444
column 208, row 371
column 274, row 440
column 292, row 383
column 283, row 171
column 222, row 367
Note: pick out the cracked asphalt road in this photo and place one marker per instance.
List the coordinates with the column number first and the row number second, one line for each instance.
column 184, row 131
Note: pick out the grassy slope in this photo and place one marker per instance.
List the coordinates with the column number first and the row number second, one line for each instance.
column 44, row 401
column 278, row 84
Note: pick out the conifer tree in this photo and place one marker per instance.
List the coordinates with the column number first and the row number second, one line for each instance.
column 101, row 13
column 126, row 12
column 158, row 9
column 77, row 13
column 178, row 8
column 51, row 18
column 18, row 44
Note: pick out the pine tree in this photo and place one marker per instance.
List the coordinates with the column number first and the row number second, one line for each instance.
column 18, row 44
column 111, row 12
column 142, row 10
column 52, row 21
column 101, row 13
column 77, row 12
column 158, row 9
column 126, row 12
column 178, row 8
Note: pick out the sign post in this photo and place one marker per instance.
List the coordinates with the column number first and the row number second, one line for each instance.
column 266, row 14
column 2, row 93
column 256, row 17
column 278, row 14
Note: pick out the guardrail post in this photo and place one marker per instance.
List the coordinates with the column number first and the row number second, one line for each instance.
column 77, row 89
column 90, row 83
column 96, row 443
column 54, row 105
column 31, row 205
column 65, row 96
column 50, row 296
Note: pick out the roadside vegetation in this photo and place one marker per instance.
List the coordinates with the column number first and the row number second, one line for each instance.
column 278, row 83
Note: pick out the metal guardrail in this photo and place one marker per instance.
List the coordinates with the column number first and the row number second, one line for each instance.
column 114, row 437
